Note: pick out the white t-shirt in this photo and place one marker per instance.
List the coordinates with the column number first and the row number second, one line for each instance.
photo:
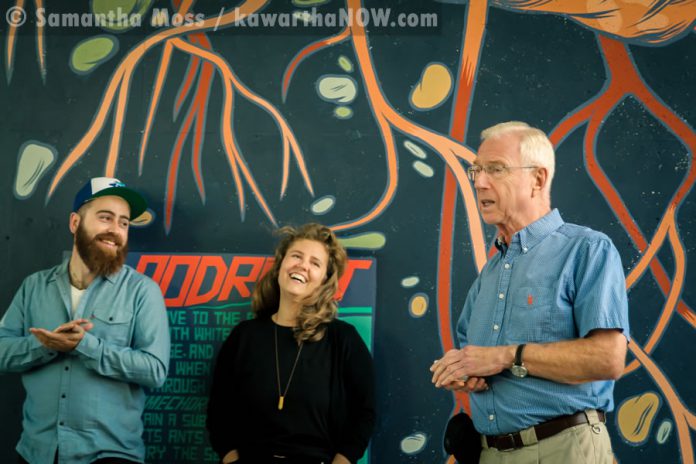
column 75, row 297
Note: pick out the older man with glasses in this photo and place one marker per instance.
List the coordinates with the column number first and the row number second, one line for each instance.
column 544, row 329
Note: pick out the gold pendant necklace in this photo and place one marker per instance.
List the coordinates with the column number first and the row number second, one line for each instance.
column 281, row 396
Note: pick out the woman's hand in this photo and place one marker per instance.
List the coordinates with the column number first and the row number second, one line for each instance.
column 232, row 456
column 340, row 459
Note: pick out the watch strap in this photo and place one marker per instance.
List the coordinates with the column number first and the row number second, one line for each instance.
column 518, row 354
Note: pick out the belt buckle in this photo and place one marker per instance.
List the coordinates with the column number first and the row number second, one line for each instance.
column 511, row 437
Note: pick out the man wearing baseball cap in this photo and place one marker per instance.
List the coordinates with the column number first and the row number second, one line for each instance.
column 88, row 335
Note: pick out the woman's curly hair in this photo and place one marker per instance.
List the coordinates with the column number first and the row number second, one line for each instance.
column 319, row 308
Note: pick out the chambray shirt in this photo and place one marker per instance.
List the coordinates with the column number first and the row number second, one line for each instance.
column 555, row 281
column 86, row 403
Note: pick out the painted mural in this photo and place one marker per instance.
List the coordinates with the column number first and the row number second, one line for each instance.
column 237, row 117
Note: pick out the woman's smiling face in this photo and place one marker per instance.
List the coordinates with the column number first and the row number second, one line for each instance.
column 303, row 269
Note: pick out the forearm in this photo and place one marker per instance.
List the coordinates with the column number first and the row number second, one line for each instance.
column 19, row 354
column 223, row 429
column 123, row 363
column 222, row 410
column 19, row 349
column 600, row 356
column 355, row 435
column 360, row 421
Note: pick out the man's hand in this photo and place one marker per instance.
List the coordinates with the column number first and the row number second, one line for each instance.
column 471, row 362
column 340, row 459
column 65, row 337
column 78, row 325
column 232, row 456
column 471, row 385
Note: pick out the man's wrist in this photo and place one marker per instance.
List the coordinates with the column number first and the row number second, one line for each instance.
column 510, row 351
column 518, row 368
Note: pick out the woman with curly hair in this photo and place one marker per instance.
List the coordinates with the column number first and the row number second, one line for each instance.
column 294, row 385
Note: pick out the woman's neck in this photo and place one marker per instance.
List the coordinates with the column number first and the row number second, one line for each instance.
column 287, row 314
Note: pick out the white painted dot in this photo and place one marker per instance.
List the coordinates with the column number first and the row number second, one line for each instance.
column 323, row 205
column 664, row 431
column 414, row 443
column 423, row 169
column 415, row 149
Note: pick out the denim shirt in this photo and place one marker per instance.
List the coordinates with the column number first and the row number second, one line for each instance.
column 555, row 281
column 86, row 403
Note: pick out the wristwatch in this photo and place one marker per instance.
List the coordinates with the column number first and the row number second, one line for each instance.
column 518, row 369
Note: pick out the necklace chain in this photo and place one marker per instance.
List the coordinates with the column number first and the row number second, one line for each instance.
column 281, row 396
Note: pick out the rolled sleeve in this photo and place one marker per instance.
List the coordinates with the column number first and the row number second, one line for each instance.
column 601, row 301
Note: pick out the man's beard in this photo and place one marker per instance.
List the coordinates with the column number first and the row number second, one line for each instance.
column 98, row 261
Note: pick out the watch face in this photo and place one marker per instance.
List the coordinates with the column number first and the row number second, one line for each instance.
column 519, row 371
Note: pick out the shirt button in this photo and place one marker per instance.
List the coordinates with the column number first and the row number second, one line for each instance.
column 496, row 327
column 524, row 249
column 61, row 423
column 63, row 395
column 67, row 368
column 507, row 265
column 501, row 296
column 491, row 417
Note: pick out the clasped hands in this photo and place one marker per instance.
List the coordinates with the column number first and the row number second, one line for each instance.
column 65, row 337
column 466, row 369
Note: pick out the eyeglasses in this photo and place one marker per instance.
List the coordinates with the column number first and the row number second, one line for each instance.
column 496, row 171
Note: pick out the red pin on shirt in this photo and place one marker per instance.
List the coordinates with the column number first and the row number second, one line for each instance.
column 530, row 299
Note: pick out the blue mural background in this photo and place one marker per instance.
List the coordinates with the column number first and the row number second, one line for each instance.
column 382, row 152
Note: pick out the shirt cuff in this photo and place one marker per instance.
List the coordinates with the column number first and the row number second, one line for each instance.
column 45, row 354
column 88, row 346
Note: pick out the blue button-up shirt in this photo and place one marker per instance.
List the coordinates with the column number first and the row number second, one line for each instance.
column 555, row 281
column 86, row 403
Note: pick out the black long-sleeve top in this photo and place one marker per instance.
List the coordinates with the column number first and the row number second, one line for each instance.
column 329, row 406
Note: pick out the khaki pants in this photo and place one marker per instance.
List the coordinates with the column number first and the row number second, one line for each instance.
column 582, row 444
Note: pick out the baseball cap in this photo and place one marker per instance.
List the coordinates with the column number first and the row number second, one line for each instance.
column 103, row 186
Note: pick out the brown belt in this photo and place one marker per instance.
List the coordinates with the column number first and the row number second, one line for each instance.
column 543, row 430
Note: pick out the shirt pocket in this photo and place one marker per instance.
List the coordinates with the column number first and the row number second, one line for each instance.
column 530, row 316
column 113, row 325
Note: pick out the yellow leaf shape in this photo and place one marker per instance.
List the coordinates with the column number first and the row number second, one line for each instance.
column 418, row 304
column 433, row 88
column 144, row 219
column 636, row 415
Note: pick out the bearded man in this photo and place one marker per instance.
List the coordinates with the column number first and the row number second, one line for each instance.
column 87, row 336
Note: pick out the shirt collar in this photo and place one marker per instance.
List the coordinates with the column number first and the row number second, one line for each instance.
column 61, row 270
column 534, row 233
